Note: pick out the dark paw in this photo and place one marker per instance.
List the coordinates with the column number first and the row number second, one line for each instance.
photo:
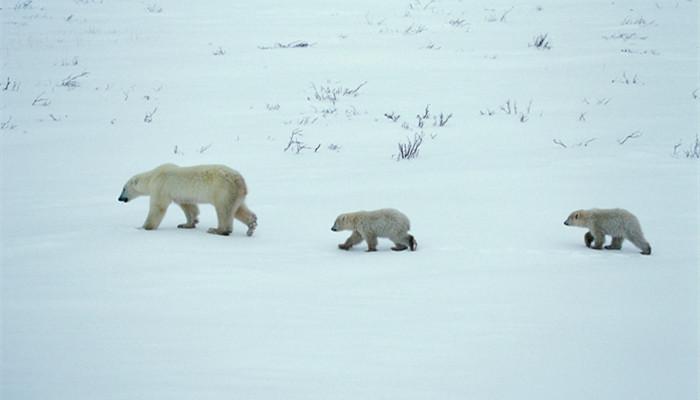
column 186, row 226
column 371, row 250
column 610, row 247
column 413, row 243
column 343, row 247
column 399, row 247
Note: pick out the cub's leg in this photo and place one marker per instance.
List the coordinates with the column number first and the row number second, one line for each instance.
column 588, row 238
column 191, row 212
column 156, row 213
column 598, row 239
column 403, row 243
column 248, row 217
column 371, row 240
column 354, row 239
column 642, row 245
column 616, row 243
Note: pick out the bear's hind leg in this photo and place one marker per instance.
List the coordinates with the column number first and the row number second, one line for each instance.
column 371, row 240
column 191, row 213
column 248, row 217
column 616, row 243
column 224, row 214
column 354, row 239
column 642, row 245
column 403, row 242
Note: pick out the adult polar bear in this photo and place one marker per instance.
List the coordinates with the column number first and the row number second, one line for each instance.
column 188, row 186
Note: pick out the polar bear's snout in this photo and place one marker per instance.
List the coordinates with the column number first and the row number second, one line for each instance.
column 122, row 197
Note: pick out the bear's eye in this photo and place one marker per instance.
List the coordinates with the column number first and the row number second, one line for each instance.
column 575, row 216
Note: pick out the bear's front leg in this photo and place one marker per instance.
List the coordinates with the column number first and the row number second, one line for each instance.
column 598, row 239
column 156, row 213
column 588, row 238
column 354, row 239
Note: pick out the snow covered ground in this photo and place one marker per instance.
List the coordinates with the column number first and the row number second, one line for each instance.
column 501, row 300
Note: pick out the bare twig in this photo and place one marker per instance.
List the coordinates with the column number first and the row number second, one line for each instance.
column 71, row 81
column 632, row 135
column 149, row 116
column 559, row 142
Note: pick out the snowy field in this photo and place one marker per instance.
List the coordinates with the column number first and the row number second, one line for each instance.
column 555, row 106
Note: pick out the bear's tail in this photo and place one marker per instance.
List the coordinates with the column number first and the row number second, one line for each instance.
column 413, row 245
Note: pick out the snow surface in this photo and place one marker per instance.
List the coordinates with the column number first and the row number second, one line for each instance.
column 501, row 300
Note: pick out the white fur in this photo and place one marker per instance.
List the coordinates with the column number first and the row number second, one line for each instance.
column 218, row 185
column 616, row 222
column 370, row 225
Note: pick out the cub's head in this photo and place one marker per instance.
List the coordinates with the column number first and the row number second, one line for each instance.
column 342, row 223
column 576, row 218
column 134, row 187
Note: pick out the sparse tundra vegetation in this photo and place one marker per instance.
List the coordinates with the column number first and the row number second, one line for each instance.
column 485, row 121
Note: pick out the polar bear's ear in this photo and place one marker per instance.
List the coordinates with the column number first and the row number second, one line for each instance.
column 135, row 181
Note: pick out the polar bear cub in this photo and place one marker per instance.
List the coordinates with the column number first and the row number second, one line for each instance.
column 616, row 222
column 370, row 225
column 218, row 185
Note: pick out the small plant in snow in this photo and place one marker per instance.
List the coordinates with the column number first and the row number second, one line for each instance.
column 154, row 9
column 495, row 16
column 414, row 29
column 393, row 116
column 8, row 125
column 639, row 21
column 272, row 107
column 297, row 44
column 458, row 22
column 69, row 63
column 41, row 101
column 438, row 120
column 203, row 149
column 296, row 143
column 219, row 52
column 695, row 94
column 23, row 5
column 625, row 36
column 441, row 120
column 410, row 149
column 626, row 80
column 633, row 135
column 10, row 85
column 585, row 143
column 332, row 93
column 149, row 116
column 71, row 81
column 510, row 107
column 541, row 42
column 692, row 152
column 334, row 147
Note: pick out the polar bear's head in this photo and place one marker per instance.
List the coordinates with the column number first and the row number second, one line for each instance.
column 134, row 187
column 342, row 223
column 577, row 218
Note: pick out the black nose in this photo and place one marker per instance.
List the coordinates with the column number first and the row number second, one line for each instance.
column 566, row 222
column 333, row 229
column 124, row 199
